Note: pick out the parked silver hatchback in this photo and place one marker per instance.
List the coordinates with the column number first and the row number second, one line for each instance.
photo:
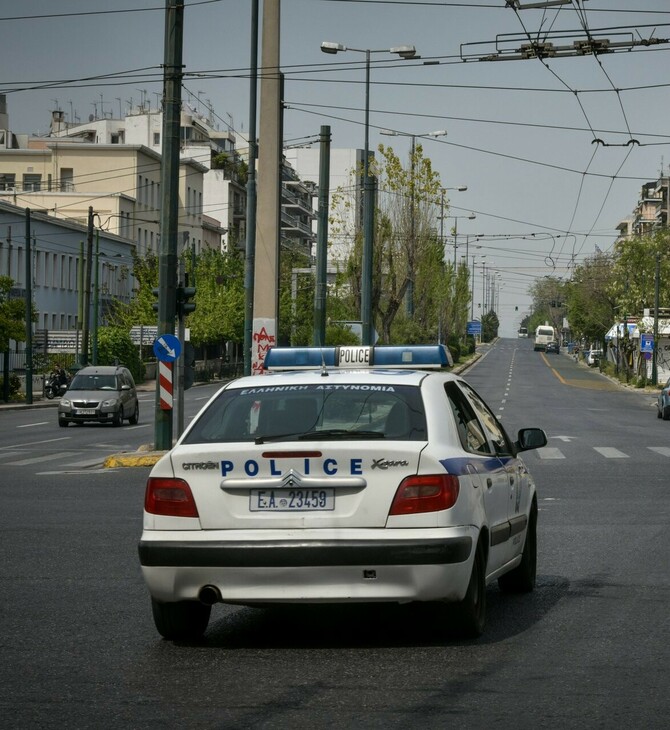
column 105, row 394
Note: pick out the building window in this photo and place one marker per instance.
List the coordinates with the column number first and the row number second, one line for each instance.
column 32, row 182
column 67, row 180
column 7, row 181
column 157, row 138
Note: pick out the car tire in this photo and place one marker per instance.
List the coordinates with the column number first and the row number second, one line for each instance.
column 63, row 422
column 183, row 620
column 470, row 613
column 136, row 416
column 522, row 578
column 117, row 418
column 658, row 412
column 666, row 413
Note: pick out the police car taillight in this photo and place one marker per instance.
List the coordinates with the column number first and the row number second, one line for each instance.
column 425, row 493
column 170, row 497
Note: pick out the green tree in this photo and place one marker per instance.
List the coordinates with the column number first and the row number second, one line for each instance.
column 219, row 298
column 116, row 348
column 408, row 255
column 139, row 310
column 634, row 272
column 590, row 300
column 12, row 315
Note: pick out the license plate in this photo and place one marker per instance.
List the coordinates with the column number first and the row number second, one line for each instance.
column 85, row 412
column 291, row 500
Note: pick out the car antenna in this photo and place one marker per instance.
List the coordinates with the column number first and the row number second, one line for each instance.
column 324, row 371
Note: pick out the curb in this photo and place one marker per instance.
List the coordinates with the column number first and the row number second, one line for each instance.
column 136, row 458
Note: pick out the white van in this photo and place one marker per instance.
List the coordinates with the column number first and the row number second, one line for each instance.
column 544, row 334
column 523, row 332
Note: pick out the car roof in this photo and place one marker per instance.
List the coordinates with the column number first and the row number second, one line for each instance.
column 333, row 376
column 100, row 369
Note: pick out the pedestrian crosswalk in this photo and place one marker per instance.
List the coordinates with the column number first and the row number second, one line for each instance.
column 549, row 453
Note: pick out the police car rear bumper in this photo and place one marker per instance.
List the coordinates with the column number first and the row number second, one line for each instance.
column 276, row 571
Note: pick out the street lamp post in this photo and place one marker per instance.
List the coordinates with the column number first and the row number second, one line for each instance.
column 406, row 52
column 409, row 299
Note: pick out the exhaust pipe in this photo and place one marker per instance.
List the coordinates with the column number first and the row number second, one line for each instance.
column 209, row 595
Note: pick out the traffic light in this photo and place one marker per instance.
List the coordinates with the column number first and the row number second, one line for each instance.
column 154, row 305
column 184, row 306
column 189, row 365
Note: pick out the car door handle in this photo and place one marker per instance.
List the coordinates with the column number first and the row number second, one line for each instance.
column 489, row 482
column 511, row 479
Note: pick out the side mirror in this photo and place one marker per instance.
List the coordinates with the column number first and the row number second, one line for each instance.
column 125, row 387
column 531, row 438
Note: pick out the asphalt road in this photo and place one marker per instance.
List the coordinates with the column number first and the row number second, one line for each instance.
column 589, row 648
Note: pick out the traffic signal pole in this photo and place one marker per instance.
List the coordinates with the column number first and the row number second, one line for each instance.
column 167, row 254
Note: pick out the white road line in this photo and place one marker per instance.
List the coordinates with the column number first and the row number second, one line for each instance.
column 38, row 459
column 609, row 453
column 662, row 450
column 30, row 425
column 9, row 454
column 35, row 443
column 549, row 452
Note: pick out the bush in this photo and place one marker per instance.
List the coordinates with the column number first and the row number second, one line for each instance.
column 116, row 348
column 14, row 385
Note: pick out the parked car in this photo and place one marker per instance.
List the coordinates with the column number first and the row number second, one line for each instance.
column 553, row 346
column 105, row 394
column 593, row 358
column 358, row 475
column 663, row 402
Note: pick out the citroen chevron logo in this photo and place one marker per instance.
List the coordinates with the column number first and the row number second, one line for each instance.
column 292, row 478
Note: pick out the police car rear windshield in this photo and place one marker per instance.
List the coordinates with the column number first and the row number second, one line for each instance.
column 265, row 414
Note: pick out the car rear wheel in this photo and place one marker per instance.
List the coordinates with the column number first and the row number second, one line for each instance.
column 666, row 413
column 183, row 620
column 470, row 613
column 522, row 578
column 136, row 416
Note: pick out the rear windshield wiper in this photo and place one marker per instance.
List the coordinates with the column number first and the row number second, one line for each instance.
column 340, row 433
column 327, row 434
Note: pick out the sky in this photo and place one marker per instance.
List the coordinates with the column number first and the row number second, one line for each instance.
column 553, row 152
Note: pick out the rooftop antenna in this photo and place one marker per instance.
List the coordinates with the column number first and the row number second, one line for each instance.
column 102, row 108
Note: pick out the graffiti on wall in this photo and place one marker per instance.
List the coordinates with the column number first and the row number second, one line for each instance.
column 264, row 337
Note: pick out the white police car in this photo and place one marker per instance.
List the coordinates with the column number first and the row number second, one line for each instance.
column 353, row 475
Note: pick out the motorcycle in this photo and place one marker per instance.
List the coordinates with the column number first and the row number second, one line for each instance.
column 53, row 388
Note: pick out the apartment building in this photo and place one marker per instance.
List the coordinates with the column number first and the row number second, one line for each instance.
column 57, row 265
column 651, row 212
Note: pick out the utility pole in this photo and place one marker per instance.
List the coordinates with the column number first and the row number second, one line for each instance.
column 87, row 289
column 657, row 284
column 266, row 295
column 319, row 337
column 167, row 255
column 29, row 314
column 96, row 297
column 250, row 255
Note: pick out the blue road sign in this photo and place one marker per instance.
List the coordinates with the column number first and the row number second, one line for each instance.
column 167, row 348
column 646, row 343
column 474, row 327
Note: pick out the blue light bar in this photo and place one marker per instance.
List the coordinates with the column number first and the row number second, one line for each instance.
column 415, row 357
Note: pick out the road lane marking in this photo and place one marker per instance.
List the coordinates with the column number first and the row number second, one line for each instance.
column 46, row 457
column 549, row 452
column 9, row 454
column 662, row 450
column 35, row 443
column 610, row 453
column 30, row 425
